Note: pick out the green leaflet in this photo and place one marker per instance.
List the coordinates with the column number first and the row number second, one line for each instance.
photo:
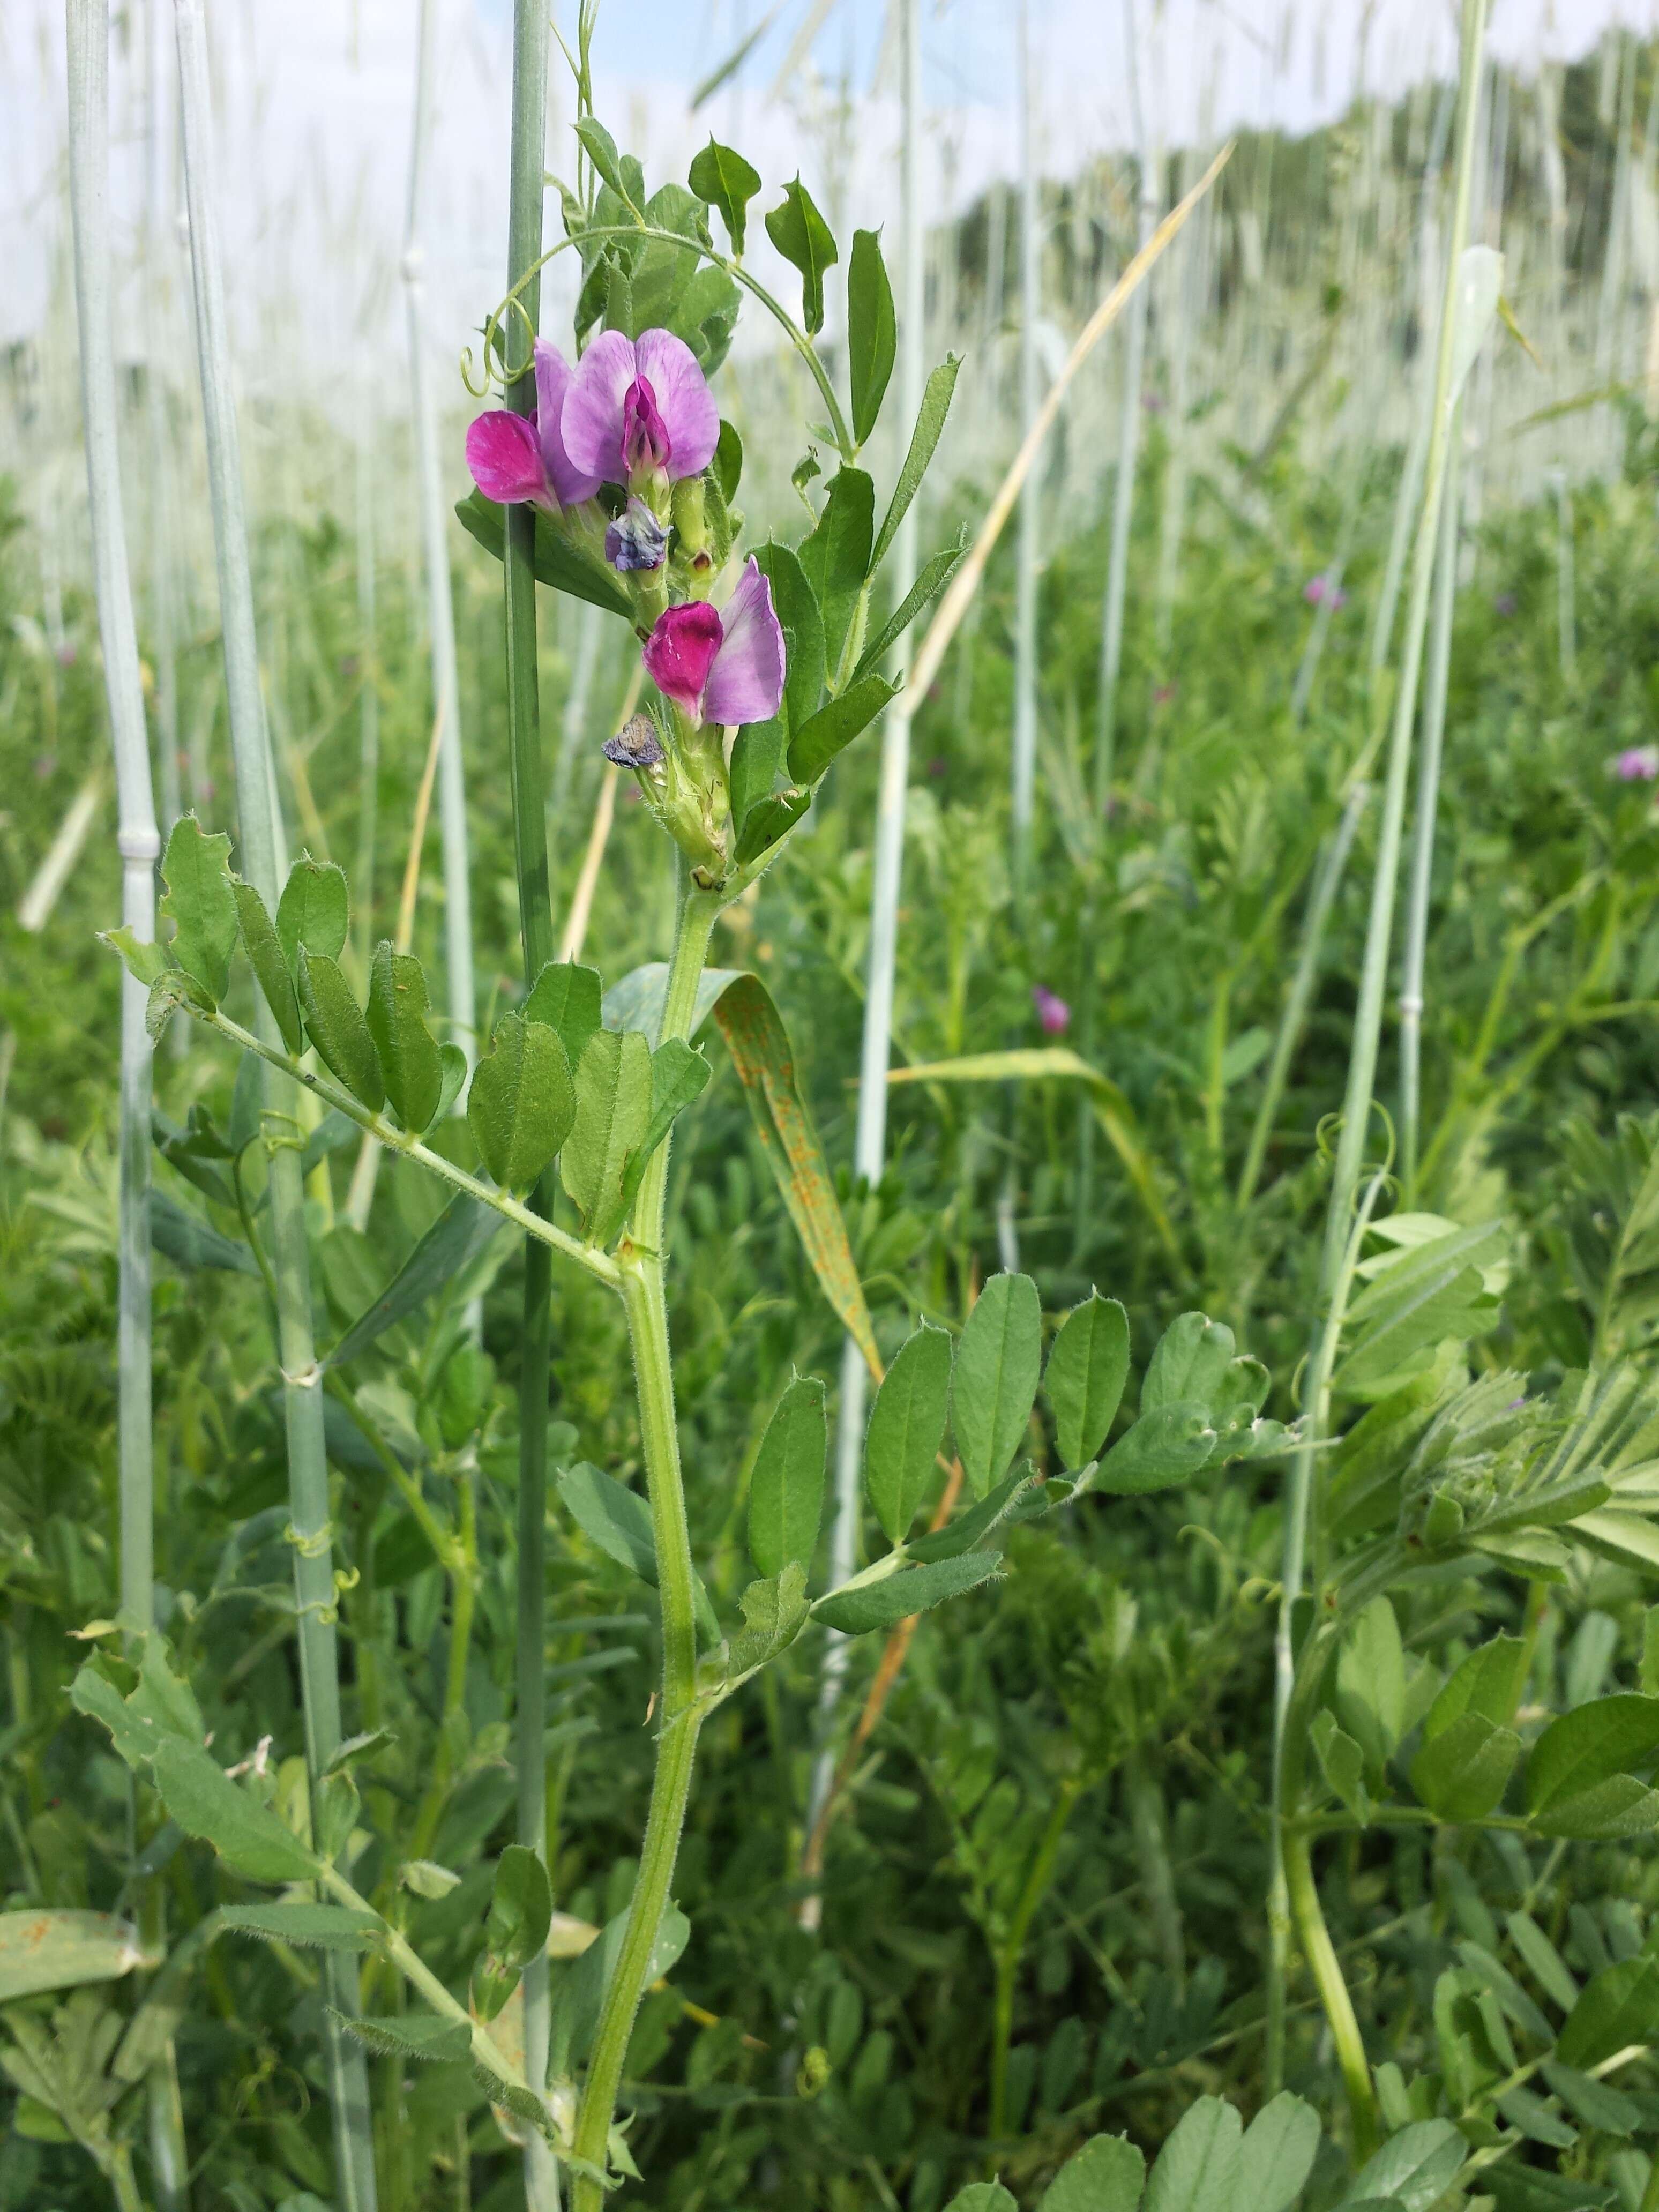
column 1590, row 1745
column 907, row 1422
column 679, row 1075
column 723, row 179
column 269, row 963
column 774, row 1612
column 836, row 560
column 882, row 1604
column 1461, row 1772
column 835, row 725
column 619, row 1520
column 568, row 998
column 802, row 236
column 930, row 424
column 1197, row 2167
column 461, row 1233
column 319, row 1926
column 933, row 577
column 205, row 1802
column 200, row 904
column 335, row 1025
column 871, row 330
column 521, row 1105
column 1088, row 1367
column 613, row 1111
column 313, row 910
column 1276, row 2155
column 1107, row 2175
column 398, row 1008
column 1161, row 1449
column 559, row 561
column 60, row 1950
column 768, row 820
column 1189, row 1363
column 1617, row 2007
column 999, row 1362
column 1342, row 1763
column 786, row 1492
column 1369, row 1697
column 796, row 607
column 515, row 1932
column 424, row 2036
column 1489, row 1682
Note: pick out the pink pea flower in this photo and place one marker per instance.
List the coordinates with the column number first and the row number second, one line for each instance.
column 724, row 664
column 1635, row 764
column 516, row 458
column 1053, row 1012
column 635, row 406
column 1318, row 589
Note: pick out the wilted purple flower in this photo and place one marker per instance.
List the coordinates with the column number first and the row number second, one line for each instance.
column 1504, row 605
column 516, row 458
column 1635, row 764
column 724, row 665
column 636, row 744
column 1053, row 1012
column 1318, row 589
column 635, row 406
column 636, row 539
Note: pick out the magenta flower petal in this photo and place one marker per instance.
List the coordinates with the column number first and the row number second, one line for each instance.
column 590, row 423
column 746, row 681
column 680, row 652
column 684, row 399
column 645, row 435
column 1052, row 1012
column 553, row 379
column 505, row 460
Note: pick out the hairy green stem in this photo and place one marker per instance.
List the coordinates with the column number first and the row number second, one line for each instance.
column 645, row 1302
column 594, row 1262
column 1368, row 1014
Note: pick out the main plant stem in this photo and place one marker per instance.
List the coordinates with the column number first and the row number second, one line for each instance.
column 1368, row 1013
column 641, row 1258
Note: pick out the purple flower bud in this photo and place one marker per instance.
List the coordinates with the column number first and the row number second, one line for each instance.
column 1053, row 1012
column 1635, row 764
column 636, row 744
column 636, row 539
column 645, row 435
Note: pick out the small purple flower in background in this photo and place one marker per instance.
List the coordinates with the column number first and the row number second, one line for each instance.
column 636, row 406
column 1053, row 1012
column 68, row 655
column 724, row 665
column 1318, row 589
column 1152, row 402
column 1635, row 764
column 519, row 458
column 1504, row 605
column 938, row 765
column 636, row 539
column 1163, row 693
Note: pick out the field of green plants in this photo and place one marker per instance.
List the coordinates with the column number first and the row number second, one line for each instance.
column 827, row 1335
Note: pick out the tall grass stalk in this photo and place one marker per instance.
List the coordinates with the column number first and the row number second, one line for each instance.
column 1024, row 775
column 870, row 1139
column 528, row 782
column 1361, row 1083
column 1128, row 443
column 139, row 844
column 1328, row 872
column 368, row 698
column 259, row 836
column 435, row 553
column 1430, row 746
